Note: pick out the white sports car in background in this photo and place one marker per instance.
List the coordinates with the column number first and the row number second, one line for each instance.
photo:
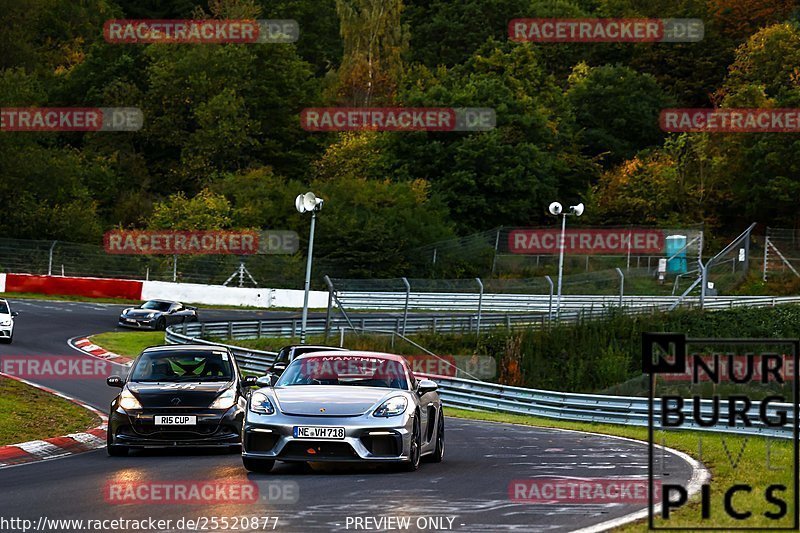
column 6, row 322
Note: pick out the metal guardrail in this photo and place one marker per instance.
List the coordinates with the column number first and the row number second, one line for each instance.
column 537, row 303
column 478, row 395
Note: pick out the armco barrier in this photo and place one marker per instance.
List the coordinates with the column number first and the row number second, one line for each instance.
column 478, row 395
column 531, row 303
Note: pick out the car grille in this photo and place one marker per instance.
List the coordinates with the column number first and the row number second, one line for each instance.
column 383, row 445
column 260, row 442
column 309, row 450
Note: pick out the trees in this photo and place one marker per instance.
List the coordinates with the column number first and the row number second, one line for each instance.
column 618, row 110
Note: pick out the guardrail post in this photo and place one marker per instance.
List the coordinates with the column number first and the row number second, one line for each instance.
column 480, row 305
column 434, row 325
column 260, row 328
column 294, row 327
column 341, row 336
column 230, row 330
column 508, row 322
column 50, row 262
column 329, row 283
column 202, row 329
column 621, row 285
column 550, row 304
column 405, row 308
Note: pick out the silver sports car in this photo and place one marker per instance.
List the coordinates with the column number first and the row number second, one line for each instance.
column 343, row 406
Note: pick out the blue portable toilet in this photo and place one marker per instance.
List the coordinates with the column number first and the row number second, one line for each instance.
column 674, row 245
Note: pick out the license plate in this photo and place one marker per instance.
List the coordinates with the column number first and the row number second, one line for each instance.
column 318, row 432
column 131, row 320
column 176, row 420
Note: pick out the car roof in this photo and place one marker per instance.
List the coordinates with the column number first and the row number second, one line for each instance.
column 184, row 348
column 162, row 301
column 354, row 353
column 316, row 347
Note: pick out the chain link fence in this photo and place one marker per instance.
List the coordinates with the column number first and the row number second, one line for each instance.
column 781, row 254
column 72, row 259
column 494, row 253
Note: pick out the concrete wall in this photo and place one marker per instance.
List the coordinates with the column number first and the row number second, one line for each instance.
column 220, row 295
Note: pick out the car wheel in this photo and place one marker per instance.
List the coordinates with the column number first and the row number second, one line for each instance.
column 161, row 325
column 114, row 450
column 6, row 341
column 261, row 466
column 416, row 445
column 193, row 318
column 438, row 453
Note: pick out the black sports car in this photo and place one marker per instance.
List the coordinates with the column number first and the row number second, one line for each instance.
column 188, row 395
column 157, row 314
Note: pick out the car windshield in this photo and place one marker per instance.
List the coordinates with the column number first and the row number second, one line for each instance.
column 183, row 366
column 363, row 371
column 4, row 308
column 156, row 305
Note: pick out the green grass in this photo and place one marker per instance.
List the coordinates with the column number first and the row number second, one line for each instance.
column 27, row 413
column 128, row 343
column 750, row 469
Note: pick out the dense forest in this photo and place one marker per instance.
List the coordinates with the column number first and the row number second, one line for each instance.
column 222, row 145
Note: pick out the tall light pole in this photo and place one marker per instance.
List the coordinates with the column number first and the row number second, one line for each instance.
column 305, row 203
column 557, row 209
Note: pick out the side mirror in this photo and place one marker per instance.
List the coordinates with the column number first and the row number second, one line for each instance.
column 425, row 386
column 250, row 381
column 114, row 381
column 267, row 380
column 278, row 368
column 14, row 313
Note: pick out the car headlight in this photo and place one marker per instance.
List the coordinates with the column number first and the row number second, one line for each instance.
column 392, row 407
column 5, row 322
column 126, row 311
column 260, row 403
column 128, row 401
column 150, row 315
column 225, row 400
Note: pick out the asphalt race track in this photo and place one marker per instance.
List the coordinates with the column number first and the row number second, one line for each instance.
column 470, row 487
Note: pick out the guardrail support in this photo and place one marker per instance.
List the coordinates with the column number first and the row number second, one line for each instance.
column 550, row 305
column 50, row 262
column 621, row 285
column 405, row 309
column 341, row 336
column 329, row 283
column 480, row 304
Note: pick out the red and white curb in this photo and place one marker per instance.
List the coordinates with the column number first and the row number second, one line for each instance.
column 56, row 447
column 83, row 344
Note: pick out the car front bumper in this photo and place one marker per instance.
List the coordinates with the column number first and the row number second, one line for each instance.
column 137, row 323
column 6, row 332
column 214, row 428
column 367, row 438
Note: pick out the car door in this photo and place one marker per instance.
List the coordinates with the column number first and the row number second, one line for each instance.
column 174, row 315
